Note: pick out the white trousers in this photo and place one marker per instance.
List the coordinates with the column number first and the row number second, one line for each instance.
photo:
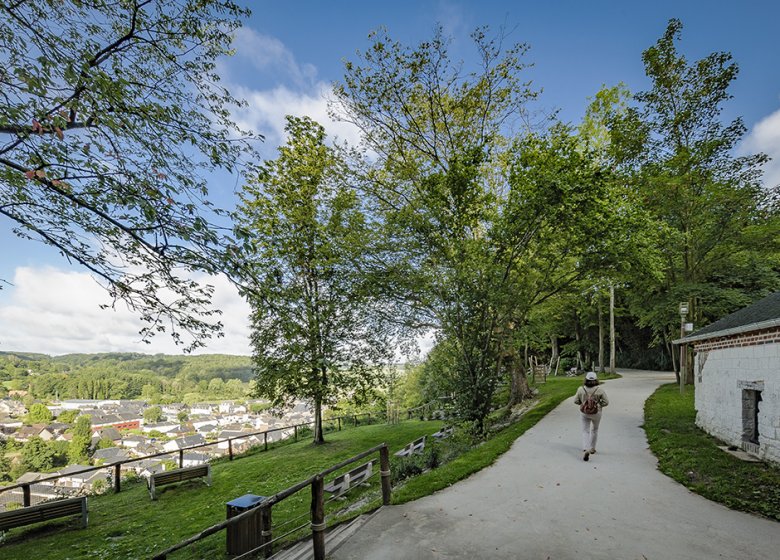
column 590, row 430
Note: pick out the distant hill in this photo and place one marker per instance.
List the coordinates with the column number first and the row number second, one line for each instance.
column 126, row 375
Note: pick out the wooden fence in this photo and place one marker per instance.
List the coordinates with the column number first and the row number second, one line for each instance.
column 317, row 519
column 117, row 466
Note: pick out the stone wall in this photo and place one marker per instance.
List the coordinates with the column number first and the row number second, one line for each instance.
column 731, row 374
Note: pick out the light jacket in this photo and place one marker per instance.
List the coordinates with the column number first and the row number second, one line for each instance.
column 582, row 395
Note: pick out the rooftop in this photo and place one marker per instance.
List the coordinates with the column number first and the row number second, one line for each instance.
column 764, row 313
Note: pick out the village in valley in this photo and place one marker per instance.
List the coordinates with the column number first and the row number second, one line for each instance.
column 192, row 435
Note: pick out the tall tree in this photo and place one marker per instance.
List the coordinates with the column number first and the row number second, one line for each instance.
column 38, row 455
column 78, row 449
column 39, row 414
column 709, row 203
column 111, row 117
column 480, row 228
column 152, row 414
column 317, row 332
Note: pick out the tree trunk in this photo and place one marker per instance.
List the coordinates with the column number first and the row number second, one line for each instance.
column 578, row 338
column 611, row 328
column 673, row 354
column 318, row 434
column 519, row 388
column 554, row 351
column 601, row 337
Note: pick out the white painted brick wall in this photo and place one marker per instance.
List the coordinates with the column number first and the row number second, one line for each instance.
column 719, row 398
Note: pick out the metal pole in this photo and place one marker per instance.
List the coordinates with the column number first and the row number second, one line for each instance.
column 682, row 354
column 611, row 328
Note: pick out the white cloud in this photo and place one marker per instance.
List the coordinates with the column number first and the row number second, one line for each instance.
column 266, row 112
column 293, row 90
column 765, row 137
column 269, row 54
column 54, row 311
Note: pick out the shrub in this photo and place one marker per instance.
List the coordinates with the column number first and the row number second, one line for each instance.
column 405, row 467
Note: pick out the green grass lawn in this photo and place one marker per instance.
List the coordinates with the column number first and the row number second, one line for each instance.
column 129, row 525
column 692, row 457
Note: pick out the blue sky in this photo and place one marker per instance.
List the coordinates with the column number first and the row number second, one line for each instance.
column 290, row 52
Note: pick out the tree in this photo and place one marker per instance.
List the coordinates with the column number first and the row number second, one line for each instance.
column 481, row 227
column 78, row 449
column 67, row 416
column 112, row 117
column 316, row 330
column 5, row 464
column 217, row 387
column 37, row 455
column 720, row 229
column 105, row 443
column 152, row 414
column 38, row 414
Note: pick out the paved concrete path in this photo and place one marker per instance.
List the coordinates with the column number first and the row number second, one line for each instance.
column 541, row 501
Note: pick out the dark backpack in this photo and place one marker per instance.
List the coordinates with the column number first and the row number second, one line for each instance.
column 591, row 404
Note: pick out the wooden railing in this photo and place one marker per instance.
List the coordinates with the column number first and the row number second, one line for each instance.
column 317, row 522
column 117, row 466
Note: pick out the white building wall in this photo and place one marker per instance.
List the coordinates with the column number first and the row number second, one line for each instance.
column 721, row 374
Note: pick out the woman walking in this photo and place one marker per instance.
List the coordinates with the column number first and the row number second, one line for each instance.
column 591, row 398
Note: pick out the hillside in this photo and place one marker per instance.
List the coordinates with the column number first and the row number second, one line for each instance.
column 129, row 525
column 125, row 375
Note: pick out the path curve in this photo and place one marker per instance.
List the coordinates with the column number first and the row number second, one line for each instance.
column 541, row 501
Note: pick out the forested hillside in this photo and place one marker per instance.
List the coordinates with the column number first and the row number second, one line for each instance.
column 157, row 378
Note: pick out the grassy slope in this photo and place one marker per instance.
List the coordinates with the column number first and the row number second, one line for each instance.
column 128, row 525
column 691, row 457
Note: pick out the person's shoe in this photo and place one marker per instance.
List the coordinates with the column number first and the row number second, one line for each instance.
column 592, row 451
column 586, row 456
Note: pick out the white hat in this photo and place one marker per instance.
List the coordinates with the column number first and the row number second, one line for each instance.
column 591, row 376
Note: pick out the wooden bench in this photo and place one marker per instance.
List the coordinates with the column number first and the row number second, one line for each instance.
column 178, row 475
column 342, row 483
column 443, row 433
column 44, row 512
column 417, row 446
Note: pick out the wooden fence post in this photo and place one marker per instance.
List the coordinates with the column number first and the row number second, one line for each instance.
column 117, row 478
column 339, row 423
column 296, row 432
column 230, row 448
column 26, row 495
column 384, row 471
column 318, row 518
column 265, row 438
column 266, row 536
column 181, row 458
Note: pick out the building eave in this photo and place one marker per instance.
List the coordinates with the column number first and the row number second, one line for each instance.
column 729, row 332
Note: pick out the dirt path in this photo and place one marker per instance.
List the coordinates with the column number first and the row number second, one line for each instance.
column 541, row 501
